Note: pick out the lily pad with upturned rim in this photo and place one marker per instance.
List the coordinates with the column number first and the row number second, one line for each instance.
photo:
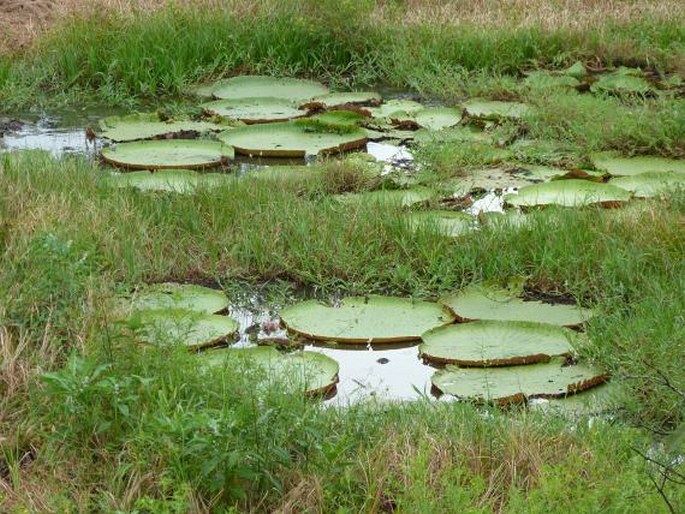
column 495, row 343
column 170, row 295
column 516, row 384
column 135, row 127
column 495, row 110
column 476, row 302
column 568, row 193
column 168, row 154
column 362, row 320
column 333, row 100
column 390, row 197
column 291, row 140
column 260, row 86
column 649, row 184
column 616, row 165
column 172, row 180
column 623, row 82
column 255, row 110
column 448, row 223
column 313, row 372
column 437, row 118
column 163, row 327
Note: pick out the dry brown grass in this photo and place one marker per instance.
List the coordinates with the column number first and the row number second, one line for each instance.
column 22, row 21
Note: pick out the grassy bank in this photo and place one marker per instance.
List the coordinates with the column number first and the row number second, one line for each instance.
column 158, row 433
column 124, row 56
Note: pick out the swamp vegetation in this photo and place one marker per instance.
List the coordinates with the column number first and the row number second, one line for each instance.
column 93, row 421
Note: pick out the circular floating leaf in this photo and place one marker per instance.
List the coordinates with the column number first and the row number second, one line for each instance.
column 437, row 118
column 515, row 384
column 495, row 343
column 650, row 184
column 568, row 193
column 312, row 372
column 148, row 125
column 255, row 110
column 401, row 197
column 291, row 140
column 182, row 327
column 448, row 223
column 173, row 180
column 333, row 100
column 396, row 107
column 373, row 319
column 494, row 110
column 622, row 82
column 174, row 153
column 491, row 303
column 257, row 86
column 599, row 400
column 169, row 295
column 618, row 166
column 452, row 134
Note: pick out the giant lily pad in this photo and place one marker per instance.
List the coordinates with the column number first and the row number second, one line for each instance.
column 291, row 140
column 568, row 193
column 651, row 183
column 372, row 319
column 448, row 223
column 170, row 295
column 255, row 110
column 257, row 86
column 622, row 82
column 495, row 343
column 477, row 302
column 452, row 134
column 312, row 372
column 396, row 107
column 437, row 118
column 173, row 180
column 333, row 100
column 384, row 197
column 495, row 110
column 167, row 154
column 134, row 127
column 619, row 166
column 181, row 327
column 515, row 384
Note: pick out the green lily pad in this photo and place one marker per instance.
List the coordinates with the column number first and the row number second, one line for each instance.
column 333, row 100
column 568, row 193
column 516, row 384
column 448, row 223
column 333, row 121
column 452, row 134
column 545, row 80
column 257, row 86
column 167, row 154
column 476, row 302
column 396, row 107
column 576, row 70
column 173, row 180
column 598, row 400
column 495, row 343
column 311, row 372
column 619, row 166
column 372, row 319
column 170, row 295
column 400, row 197
column 651, row 183
column 495, row 110
column 291, row 140
column 255, row 110
column 182, row 327
column 148, row 125
column 437, row 118
column 622, row 82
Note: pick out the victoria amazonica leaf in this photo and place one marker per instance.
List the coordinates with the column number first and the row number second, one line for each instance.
column 175, row 296
column 477, row 302
column 372, row 319
column 291, row 140
column 255, row 110
column 515, row 384
column 167, row 154
column 495, row 343
column 311, row 372
column 134, row 127
column 258, row 86
column 568, row 193
column 171, row 180
column 164, row 327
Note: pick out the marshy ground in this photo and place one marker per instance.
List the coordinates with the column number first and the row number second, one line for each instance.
column 90, row 423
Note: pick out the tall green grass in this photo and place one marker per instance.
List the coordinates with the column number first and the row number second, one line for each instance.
column 145, row 55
